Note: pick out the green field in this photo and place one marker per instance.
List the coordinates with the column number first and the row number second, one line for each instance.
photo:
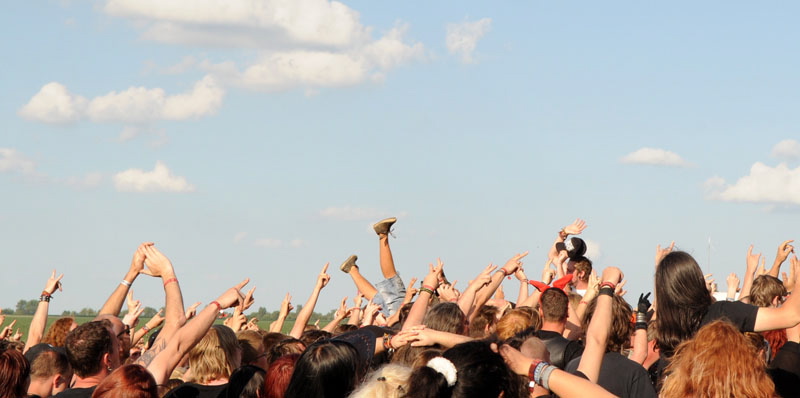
column 24, row 322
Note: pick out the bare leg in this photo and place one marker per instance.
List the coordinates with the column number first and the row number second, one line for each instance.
column 387, row 262
column 362, row 283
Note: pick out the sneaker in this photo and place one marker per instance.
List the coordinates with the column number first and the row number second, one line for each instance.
column 383, row 227
column 348, row 264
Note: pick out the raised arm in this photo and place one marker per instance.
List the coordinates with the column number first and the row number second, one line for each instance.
column 114, row 303
column 509, row 268
column 600, row 325
column 158, row 265
column 308, row 309
column 749, row 272
column 39, row 321
column 783, row 317
column 355, row 315
column 784, row 250
column 338, row 317
column 639, row 352
column 286, row 307
column 467, row 300
column 171, row 351
column 429, row 284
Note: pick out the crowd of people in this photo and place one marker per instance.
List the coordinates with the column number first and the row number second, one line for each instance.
column 569, row 334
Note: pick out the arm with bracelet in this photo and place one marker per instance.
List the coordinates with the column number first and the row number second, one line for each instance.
column 420, row 307
column 39, row 321
column 639, row 352
column 511, row 266
column 113, row 305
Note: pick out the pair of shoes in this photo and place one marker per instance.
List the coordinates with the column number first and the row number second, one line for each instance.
column 384, row 227
column 348, row 264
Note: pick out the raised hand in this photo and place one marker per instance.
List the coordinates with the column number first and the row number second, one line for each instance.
column 752, row 260
column 342, row 311
column 233, row 296
column 520, row 275
column 156, row 262
column 618, row 290
column 613, row 275
column 784, row 250
column 484, row 277
column 576, row 227
column 762, row 269
column 447, row 292
column 358, row 299
column 192, row 310
column 137, row 262
column 709, row 281
column 434, row 274
column 733, row 284
column 661, row 253
column 132, row 317
column 8, row 330
column 514, row 263
column 286, row 304
column 789, row 281
column 130, row 302
column 644, row 303
column 53, row 283
column 412, row 291
column 248, row 300
column 548, row 273
column 323, row 278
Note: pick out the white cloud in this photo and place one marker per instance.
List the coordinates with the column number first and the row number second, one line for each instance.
column 313, row 68
column 12, row 161
column 158, row 180
column 54, row 104
column 656, row 157
column 764, row 184
column 787, row 149
column 252, row 23
column 592, row 249
column 462, row 38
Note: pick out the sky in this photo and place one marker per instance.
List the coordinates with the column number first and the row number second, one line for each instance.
column 263, row 138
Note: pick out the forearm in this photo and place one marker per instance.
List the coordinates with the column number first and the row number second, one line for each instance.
column 487, row 291
column 531, row 300
column 466, row 301
column 566, row 385
column 523, row 291
column 38, row 323
column 747, row 284
column 305, row 314
column 277, row 326
column 417, row 312
column 355, row 316
column 446, row 339
column 596, row 338
column 171, row 352
column 174, row 314
column 776, row 268
column 113, row 305
column 639, row 352
column 332, row 324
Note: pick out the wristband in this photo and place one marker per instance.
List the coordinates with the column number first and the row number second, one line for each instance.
column 537, row 372
column 545, row 377
column 605, row 290
column 145, row 328
column 45, row 298
column 429, row 287
column 531, row 371
column 124, row 282
column 170, row 280
column 426, row 290
column 215, row 302
column 583, row 302
column 641, row 317
column 505, row 273
column 612, row 285
column 640, row 326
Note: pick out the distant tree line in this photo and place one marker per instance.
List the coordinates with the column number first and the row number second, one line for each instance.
column 28, row 307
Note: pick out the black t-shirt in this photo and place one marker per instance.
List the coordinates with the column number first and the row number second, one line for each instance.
column 192, row 390
column 562, row 350
column 741, row 315
column 620, row 376
column 76, row 393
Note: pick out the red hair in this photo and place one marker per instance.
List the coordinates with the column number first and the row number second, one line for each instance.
column 278, row 375
column 129, row 381
column 14, row 373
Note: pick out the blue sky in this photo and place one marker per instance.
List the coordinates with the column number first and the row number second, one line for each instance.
column 262, row 139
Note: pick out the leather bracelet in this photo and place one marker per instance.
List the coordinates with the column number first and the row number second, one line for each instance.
column 640, row 325
column 605, row 290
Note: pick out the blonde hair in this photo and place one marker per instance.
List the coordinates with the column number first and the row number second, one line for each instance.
column 213, row 357
column 718, row 361
column 517, row 320
column 389, row 381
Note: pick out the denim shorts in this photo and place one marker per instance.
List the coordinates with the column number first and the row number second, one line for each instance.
column 390, row 295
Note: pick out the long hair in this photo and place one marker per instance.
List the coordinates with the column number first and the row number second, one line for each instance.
column 278, row 375
column 682, row 300
column 480, row 372
column 247, row 382
column 57, row 334
column 328, row 368
column 388, row 381
column 214, row 357
column 620, row 333
column 718, row 362
column 14, row 374
column 128, row 381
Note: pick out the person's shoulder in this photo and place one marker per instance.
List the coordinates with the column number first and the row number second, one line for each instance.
column 76, row 392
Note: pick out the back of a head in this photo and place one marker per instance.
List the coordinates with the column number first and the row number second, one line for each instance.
column 515, row 321
column 554, row 304
column 388, row 381
column 446, row 317
column 584, row 267
column 246, row 382
column 215, row 355
column 47, row 361
column 271, row 338
column 329, row 368
column 718, row 361
column 528, row 342
column 128, row 381
column 314, row 335
column 480, row 372
column 252, row 345
column 484, row 321
column 86, row 345
column 14, row 374
column 683, row 300
column 57, row 334
column 284, row 347
column 278, row 375
column 765, row 289
column 621, row 329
